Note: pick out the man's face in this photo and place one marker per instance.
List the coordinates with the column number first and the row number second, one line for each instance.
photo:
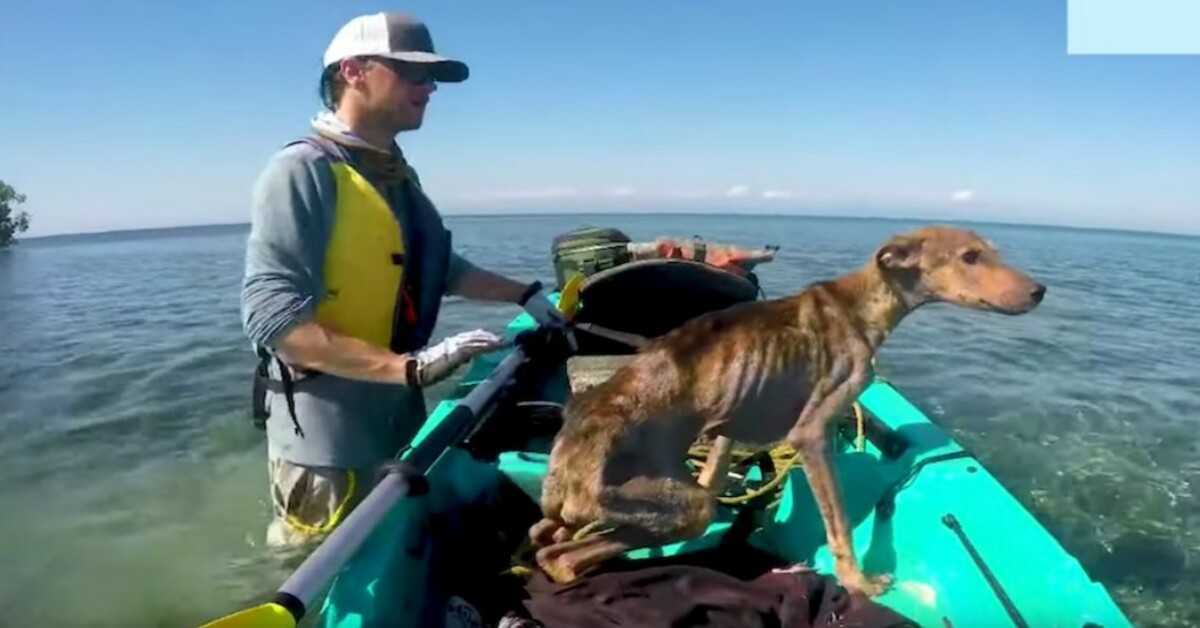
column 397, row 92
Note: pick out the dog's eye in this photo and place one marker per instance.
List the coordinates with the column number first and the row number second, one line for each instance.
column 970, row 257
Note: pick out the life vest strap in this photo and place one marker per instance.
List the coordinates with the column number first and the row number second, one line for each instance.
column 285, row 385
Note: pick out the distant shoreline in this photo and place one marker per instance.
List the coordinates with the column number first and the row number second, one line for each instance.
column 150, row 231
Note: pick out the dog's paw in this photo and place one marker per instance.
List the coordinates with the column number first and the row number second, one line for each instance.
column 870, row 586
column 556, row 565
column 542, row 533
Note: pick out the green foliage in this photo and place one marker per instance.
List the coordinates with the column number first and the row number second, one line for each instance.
column 11, row 223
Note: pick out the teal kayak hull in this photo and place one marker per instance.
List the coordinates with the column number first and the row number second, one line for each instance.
column 999, row 567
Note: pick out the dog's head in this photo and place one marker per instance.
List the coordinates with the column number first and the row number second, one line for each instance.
column 956, row 266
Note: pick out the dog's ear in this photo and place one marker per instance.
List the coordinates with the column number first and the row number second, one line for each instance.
column 899, row 252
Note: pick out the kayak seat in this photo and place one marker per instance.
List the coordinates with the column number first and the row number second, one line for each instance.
column 586, row 371
column 651, row 297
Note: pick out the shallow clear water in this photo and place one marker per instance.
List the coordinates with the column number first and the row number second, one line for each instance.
column 134, row 487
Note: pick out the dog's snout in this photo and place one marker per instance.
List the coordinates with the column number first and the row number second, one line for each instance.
column 1038, row 293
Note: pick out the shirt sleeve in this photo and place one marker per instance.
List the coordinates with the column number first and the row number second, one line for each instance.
column 290, row 223
column 458, row 267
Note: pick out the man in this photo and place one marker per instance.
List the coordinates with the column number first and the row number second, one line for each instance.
column 346, row 265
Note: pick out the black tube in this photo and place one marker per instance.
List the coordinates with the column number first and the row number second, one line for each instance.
column 291, row 603
column 952, row 522
column 886, row 506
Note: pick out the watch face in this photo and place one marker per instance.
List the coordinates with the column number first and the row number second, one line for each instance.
column 460, row 614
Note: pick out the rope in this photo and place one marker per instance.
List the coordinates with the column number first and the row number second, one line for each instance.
column 781, row 472
column 335, row 518
column 520, row 571
column 860, row 440
column 783, row 458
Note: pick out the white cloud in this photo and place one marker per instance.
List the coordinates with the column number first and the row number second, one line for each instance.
column 962, row 196
column 623, row 190
column 738, row 191
column 681, row 194
column 769, row 194
column 547, row 192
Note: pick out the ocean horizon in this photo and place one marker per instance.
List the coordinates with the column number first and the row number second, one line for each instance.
column 518, row 214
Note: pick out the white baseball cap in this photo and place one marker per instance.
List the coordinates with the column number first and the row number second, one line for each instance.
column 394, row 36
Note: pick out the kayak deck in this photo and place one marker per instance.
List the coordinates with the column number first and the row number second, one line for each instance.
column 897, row 506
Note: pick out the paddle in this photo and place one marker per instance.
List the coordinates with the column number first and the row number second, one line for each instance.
column 568, row 297
column 403, row 479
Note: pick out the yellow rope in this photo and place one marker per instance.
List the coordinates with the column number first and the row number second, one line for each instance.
column 860, row 441
column 783, row 458
column 520, row 571
column 335, row 518
column 781, row 472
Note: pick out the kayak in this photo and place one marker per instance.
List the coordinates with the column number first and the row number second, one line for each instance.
column 961, row 549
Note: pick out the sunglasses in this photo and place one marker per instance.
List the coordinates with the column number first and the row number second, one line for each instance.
column 415, row 73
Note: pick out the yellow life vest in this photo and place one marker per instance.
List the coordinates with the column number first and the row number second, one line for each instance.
column 363, row 272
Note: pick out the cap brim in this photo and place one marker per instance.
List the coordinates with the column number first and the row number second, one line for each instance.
column 445, row 70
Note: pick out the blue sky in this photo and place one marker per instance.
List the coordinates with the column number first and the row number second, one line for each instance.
column 125, row 115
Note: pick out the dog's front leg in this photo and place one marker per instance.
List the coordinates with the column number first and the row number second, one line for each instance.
column 810, row 437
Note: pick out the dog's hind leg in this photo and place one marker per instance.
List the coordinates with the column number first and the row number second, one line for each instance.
column 551, row 528
column 667, row 509
column 566, row 561
column 642, row 512
column 542, row 533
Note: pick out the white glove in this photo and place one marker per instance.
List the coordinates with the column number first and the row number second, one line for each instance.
column 434, row 363
column 538, row 305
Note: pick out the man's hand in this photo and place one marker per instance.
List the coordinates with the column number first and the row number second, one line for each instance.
column 311, row 346
column 538, row 305
column 435, row 363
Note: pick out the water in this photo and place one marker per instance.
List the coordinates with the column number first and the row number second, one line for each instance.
column 134, row 489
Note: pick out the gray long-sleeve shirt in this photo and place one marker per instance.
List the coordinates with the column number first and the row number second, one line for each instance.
column 347, row 423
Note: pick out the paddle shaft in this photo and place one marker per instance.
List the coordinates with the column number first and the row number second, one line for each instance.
column 623, row 337
column 310, row 579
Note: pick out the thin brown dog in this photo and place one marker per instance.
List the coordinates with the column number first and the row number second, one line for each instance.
column 756, row 373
